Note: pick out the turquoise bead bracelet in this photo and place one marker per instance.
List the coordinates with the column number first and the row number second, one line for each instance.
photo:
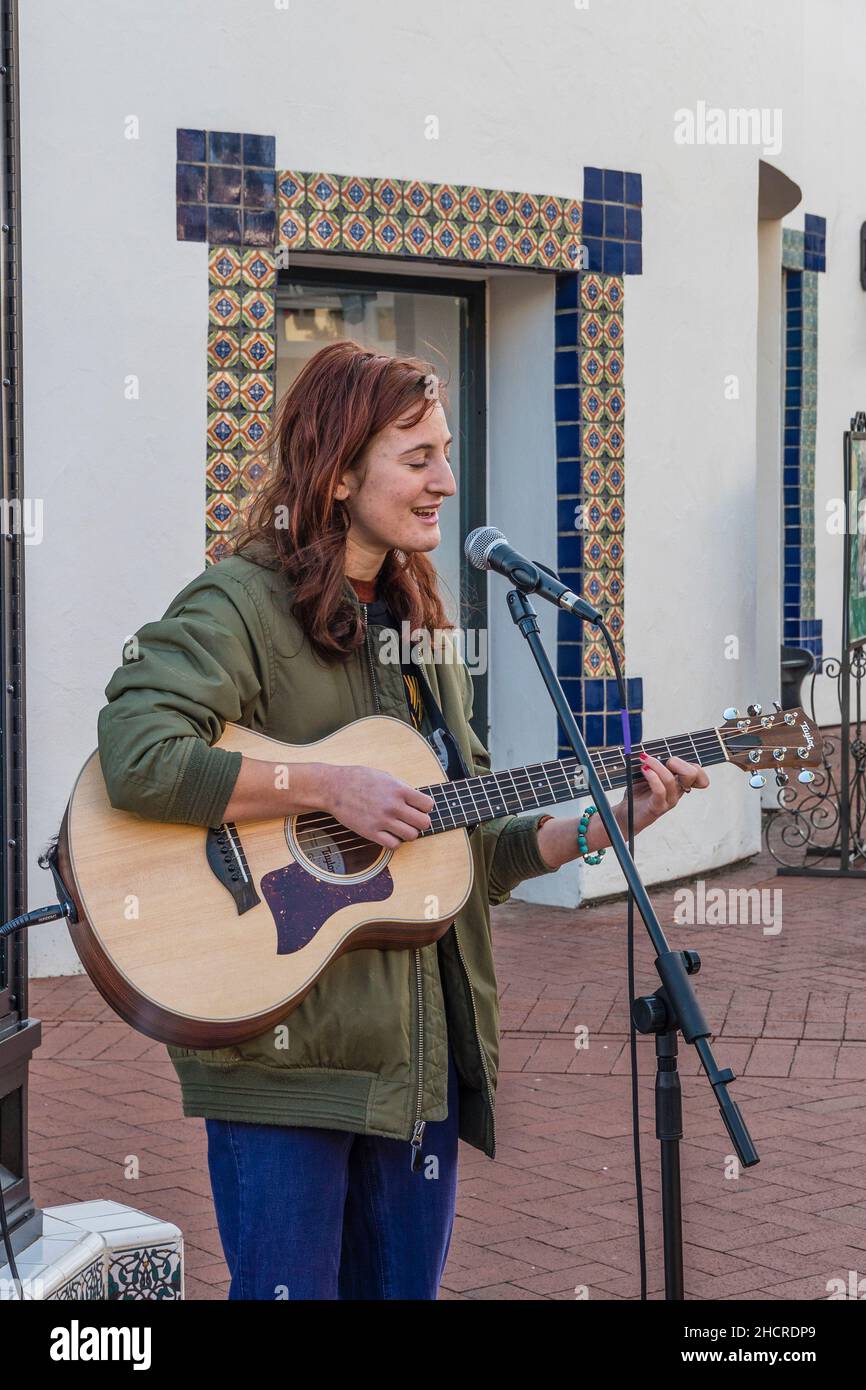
column 581, row 838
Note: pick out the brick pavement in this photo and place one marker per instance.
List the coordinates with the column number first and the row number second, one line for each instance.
column 555, row 1211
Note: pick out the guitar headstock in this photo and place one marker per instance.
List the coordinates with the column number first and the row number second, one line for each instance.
column 785, row 740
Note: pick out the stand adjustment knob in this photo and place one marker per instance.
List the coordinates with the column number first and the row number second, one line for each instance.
column 692, row 962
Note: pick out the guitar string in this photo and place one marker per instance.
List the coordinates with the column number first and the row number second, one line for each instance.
column 711, row 741
column 463, row 786
column 476, row 812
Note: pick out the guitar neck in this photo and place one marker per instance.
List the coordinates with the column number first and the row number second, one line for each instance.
column 473, row 800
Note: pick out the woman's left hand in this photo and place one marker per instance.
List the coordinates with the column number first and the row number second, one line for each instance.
column 657, row 789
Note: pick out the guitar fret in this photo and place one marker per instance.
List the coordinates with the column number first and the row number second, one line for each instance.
column 473, row 800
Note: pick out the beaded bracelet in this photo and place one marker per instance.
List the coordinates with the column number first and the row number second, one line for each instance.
column 597, row 857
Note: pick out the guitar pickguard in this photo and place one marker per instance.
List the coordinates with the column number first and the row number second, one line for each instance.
column 302, row 903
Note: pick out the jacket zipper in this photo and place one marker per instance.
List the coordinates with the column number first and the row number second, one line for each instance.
column 419, row 1125
column 478, row 1040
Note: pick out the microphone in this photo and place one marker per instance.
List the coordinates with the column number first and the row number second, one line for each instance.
column 487, row 549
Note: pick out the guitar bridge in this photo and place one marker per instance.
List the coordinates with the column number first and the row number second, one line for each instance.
column 225, row 854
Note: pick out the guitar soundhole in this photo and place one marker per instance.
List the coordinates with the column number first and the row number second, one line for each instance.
column 330, row 850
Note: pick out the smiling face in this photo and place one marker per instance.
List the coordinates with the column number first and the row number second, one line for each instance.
column 405, row 472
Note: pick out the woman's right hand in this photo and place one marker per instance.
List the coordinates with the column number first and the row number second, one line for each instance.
column 376, row 805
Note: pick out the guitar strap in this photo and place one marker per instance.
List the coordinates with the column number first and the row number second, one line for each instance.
column 445, row 745
column 440, row 738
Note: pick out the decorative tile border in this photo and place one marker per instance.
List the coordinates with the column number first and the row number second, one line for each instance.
column 240, row 382
column 803, row 256
column 590, row 452
column 409, row 218
column 445, row 223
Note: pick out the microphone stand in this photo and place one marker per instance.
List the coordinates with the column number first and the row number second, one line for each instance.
column 671, row 1009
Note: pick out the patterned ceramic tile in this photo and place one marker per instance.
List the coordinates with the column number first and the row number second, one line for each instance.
column 413, row 218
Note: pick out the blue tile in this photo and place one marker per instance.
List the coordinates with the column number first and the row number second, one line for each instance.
column 224, row 224
column 633, row 189
column 569, row 658
column 614, row 220
column 633, row 258
column 259, row 189
column 593, row 253
column 192, row 222
column 565, row 513
column 191, row 183
column 614, row 186
column 593, row 695
column 634, row 689
column 633, row 224
column 567, row 441
column 566, row 367
column 567, row 403
column 566, row 329
column 223, row 184
column 569, row 552
column 260, row 149
column 593, row 184
column 191, row 145
column 224, row 147
column 593, row 220
column 260, row 228
column 566, row 291
column 568, row 476
column 613, row 730
column 613, row 260
column 568, row 627
column 611, row 690
column 594, row 731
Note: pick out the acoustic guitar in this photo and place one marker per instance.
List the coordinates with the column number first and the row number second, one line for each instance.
column 203, row 938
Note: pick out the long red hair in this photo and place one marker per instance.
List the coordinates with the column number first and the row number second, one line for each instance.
column 341, row 397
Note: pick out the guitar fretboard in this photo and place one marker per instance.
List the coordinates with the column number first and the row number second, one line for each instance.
column 473, row 800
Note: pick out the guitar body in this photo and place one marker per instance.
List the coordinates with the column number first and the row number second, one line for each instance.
column 203, row 938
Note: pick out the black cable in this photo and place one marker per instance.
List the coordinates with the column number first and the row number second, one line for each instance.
column 632, row 1034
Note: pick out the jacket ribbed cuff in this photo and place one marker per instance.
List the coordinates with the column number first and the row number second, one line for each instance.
column 517, row 855
column 204, row 788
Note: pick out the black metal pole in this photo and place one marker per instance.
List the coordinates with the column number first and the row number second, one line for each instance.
column 679, row 1009
column 845, row 674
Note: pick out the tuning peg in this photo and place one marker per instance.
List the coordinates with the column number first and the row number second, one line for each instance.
column 732, row 713
column 777, row 707
column 781, row 778
column 754, row 710
column 757, row 780
column 805, row 776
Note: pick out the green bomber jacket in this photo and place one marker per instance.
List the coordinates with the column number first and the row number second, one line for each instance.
column 368, row 1045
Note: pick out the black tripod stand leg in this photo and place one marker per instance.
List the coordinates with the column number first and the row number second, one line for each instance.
column 669, row 1132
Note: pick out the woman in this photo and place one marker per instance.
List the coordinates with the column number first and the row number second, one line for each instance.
column 332, row 1140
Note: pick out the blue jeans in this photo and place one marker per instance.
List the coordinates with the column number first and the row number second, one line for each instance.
column 306, row 1213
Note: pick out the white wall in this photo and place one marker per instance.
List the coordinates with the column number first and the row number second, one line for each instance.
column 527, row 94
